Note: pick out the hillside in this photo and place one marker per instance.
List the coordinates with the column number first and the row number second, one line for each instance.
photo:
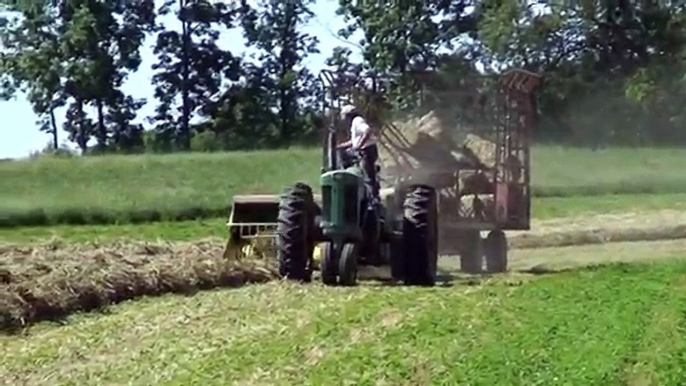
column 143, row 188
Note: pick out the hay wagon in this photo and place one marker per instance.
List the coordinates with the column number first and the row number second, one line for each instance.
column 469, row 139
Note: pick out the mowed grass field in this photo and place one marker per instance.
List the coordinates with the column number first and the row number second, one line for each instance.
column 613, row 325
column 579, row 324
column 135, row 189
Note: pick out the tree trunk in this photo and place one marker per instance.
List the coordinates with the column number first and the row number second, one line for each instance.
column 53, row 123
column 185, row 114
column 82, row 139
column 285, row 97
column 102, row 129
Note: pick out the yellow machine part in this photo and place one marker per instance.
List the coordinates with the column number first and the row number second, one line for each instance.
column 252, row 225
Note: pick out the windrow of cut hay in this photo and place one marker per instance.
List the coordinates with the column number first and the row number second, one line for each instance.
column 596, row 236
column 49, row 282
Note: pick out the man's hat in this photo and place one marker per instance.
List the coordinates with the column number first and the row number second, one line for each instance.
column 347, row 110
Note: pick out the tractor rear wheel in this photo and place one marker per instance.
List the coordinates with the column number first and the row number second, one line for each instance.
column 294, row 225
column 420, row 236
column 495, row 248
column 471, row 258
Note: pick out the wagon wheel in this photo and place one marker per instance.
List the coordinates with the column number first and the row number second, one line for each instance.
column 471, row 258
column 496, row 251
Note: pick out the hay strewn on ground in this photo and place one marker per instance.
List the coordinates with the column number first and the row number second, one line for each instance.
column 664, row 224
column 585, row 230
column 51, row 281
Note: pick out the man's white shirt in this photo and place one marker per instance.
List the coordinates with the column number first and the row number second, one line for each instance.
column 358, row 128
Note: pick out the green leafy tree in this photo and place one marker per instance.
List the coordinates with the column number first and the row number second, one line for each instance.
column 191, row 67
column 100, row 51
column 31, row 62
column 244, row 117
column 75, row 52
column 275, row 28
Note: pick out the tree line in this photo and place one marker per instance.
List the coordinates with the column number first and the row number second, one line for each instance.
column 614, row 70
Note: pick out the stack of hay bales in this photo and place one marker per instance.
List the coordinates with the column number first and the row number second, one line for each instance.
column 403, row 145
column 423, row 146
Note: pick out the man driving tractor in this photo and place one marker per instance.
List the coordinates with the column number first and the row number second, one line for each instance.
column 363, row 142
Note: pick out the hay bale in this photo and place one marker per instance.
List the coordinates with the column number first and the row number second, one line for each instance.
column 424, row 145
column 475, row 182
column 418, row 146
column 482, row 149
column 403, row 145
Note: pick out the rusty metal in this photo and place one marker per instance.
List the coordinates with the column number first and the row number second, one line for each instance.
column 513, row 158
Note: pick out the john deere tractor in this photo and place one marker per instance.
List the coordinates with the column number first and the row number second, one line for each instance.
column 353, row 230
column 350, row 229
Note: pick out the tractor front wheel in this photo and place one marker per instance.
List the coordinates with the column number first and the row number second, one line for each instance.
column 294, row 243
column 339, row 264
column 347, row 265
column 328, row 266
column 420, row 236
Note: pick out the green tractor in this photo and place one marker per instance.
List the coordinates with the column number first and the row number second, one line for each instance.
column 347, row 226
column 343, row 222
column 354, row 231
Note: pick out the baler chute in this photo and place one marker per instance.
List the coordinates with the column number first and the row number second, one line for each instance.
column 252, row 222
column 253, row 216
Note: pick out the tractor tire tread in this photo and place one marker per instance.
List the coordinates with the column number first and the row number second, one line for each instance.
column 294, row 246
column 420, row 236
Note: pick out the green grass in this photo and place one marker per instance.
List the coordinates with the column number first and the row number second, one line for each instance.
column 562, row 171
column 141, row 188
column 544, row 208
column 617, row 325
column 135, row 189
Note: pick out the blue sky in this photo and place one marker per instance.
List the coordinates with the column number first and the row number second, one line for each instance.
column 19, row 135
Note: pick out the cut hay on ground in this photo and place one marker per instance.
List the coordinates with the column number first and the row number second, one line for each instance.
column 596, row 236
column 585, row 230
column 53, row 280
column 667, row 224
column 50, row 282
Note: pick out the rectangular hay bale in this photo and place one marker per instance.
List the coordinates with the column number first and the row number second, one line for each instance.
column 483, row 149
